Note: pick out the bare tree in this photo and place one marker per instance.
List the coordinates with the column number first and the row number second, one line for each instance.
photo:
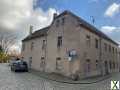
column 6, row 41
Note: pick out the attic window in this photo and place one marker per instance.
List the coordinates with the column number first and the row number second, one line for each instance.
column 57, row 23
column 44, row 44
column 32, row 45
column 63, row 21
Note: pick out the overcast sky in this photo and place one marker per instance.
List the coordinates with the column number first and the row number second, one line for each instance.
column 17, row 15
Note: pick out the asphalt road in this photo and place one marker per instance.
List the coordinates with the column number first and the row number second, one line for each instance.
column 28, row 81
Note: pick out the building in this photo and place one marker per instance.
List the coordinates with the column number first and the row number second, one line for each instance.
column 72, row 47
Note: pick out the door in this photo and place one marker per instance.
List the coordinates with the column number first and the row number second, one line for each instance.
column 106, row 68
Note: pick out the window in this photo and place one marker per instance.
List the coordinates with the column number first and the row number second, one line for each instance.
column 113, row 65
column 57, row 23
column 42, row 63
column 63, row 21
column 109, row 48
column 110, row 63
column 59, row 42
column 96, row 43
column 32, row 45
column 23, row 46
column 105, row 46
column 116, row 50
column 97, row 67
column 43, row 44
column 88, row 65
column 88, row 40
column 42, row 58
column 113, row 49
column 58, row 63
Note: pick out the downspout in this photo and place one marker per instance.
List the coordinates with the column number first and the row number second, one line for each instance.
column 45, row 54
column 100, row 56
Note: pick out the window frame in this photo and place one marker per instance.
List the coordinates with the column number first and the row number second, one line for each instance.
column 88, row 40
column 59, row 41
column 58, row 63
column 43, row 44
column 96, row 43
column 32, row 45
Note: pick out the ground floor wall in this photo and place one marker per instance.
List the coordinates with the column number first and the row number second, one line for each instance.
column 77, row 67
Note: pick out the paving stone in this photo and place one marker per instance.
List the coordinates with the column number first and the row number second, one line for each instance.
column 28, row 81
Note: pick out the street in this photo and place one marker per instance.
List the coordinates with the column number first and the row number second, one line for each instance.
column 28, row 81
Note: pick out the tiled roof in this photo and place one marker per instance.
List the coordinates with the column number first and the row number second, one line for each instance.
column 88, row 26
column 82, row 22
column 36, row 34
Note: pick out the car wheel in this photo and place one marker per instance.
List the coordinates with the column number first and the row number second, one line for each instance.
column 15, row 70
column 26, row 70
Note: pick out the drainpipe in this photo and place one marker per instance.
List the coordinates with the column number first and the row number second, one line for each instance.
column 100, row 56
column 45, row 53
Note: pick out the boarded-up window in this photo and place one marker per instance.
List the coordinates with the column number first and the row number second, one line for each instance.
column 58, row 63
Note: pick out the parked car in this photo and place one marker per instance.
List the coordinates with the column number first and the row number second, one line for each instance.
column 19, row 65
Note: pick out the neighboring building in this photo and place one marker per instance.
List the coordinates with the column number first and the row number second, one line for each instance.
column 70, row 46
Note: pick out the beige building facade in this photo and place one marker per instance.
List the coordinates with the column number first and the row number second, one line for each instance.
column 72, row 47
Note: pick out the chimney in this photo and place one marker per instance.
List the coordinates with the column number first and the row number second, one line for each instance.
column 54, row 15
column 31, row 30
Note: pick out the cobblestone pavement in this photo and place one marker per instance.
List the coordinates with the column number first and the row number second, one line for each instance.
column 27, row 81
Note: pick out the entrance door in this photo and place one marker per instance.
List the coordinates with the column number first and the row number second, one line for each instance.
column 106, row 68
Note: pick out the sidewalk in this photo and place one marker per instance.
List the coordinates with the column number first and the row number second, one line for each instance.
column 62, row 79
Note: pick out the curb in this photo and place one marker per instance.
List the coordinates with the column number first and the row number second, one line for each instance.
column 67, row 82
